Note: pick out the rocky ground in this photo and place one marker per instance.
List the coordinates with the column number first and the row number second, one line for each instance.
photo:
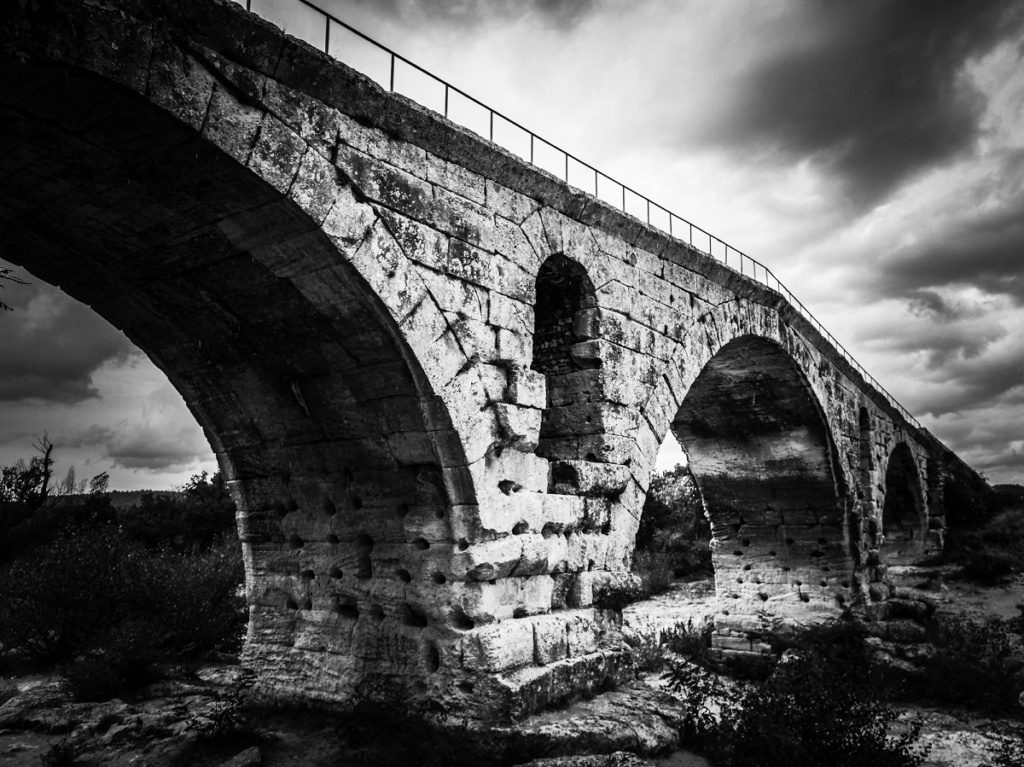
column 193, row 722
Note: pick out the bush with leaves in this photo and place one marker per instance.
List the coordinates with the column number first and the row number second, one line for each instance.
column 805, row 712
column 110, row 610
column 199, row 515
column 674, row 534
column 59, row 598
column 992, row 552
column 975, row 663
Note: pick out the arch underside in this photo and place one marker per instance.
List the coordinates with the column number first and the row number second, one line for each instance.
column 761, row 454
column 319, row 415
column 903, row 525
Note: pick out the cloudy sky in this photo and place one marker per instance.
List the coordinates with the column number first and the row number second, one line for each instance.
column 871, row 153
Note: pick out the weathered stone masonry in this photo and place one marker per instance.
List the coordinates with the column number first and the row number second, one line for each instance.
column 436, row 377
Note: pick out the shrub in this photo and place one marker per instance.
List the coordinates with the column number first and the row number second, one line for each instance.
column 655, row 570
column 674, row 534
column 58, row 598
column 991, row 552
column 198, row 516
column 807, row 712
column 199, row 606
column 124, row 660
column 117, row 609
column 989, row 566
column 977, row 664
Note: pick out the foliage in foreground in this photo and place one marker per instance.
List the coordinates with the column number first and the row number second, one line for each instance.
column 814, row 709
column 674, row 534
column 110, row 595
column 979, row 664
column 111, row 610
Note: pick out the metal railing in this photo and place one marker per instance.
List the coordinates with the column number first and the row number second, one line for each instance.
column 674, row 225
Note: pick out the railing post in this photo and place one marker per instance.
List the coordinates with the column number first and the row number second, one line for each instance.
column 392, row 88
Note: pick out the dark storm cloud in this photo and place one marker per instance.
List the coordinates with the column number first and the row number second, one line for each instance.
column 155, row 452
column 50, row 345
column 876, row 92
column 986, row 252
column 988, row 443
column 984, row 383
column 561, row 13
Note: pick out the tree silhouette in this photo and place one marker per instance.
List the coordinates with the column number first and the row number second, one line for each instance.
column 7, row 274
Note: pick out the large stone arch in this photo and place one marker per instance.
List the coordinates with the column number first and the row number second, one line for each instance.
column 744, row 349
column 215, row 232
column 904, row 516
column 760, row 451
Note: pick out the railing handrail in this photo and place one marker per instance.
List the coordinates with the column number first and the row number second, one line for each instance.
column 742, row 257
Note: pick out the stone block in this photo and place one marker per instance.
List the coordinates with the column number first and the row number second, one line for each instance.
column 597, row 514
column 534, row 559
column 557, row 552
column 277, row 154
column 518, row 427
column 231, row 125
column 455, row 178
column 583, row 633
column 509, row 204
column 487, row 560
column 550, row 639
column 509, row 241
column 501, row 646
column 519, row 510
column 512, row 347
column 587, row 478
column 526, row 387
column 608, row 448
column 487, row 602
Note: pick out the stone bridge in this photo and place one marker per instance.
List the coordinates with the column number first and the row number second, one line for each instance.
column 436, row 377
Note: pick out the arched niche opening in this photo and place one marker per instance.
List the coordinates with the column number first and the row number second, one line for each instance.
column 566, row 318
column 903, row 510
column 763, row 458
column 322, row 420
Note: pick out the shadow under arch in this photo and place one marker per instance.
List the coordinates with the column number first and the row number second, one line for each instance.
column 340, row 456
column 904, row 517
column 761, row 453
